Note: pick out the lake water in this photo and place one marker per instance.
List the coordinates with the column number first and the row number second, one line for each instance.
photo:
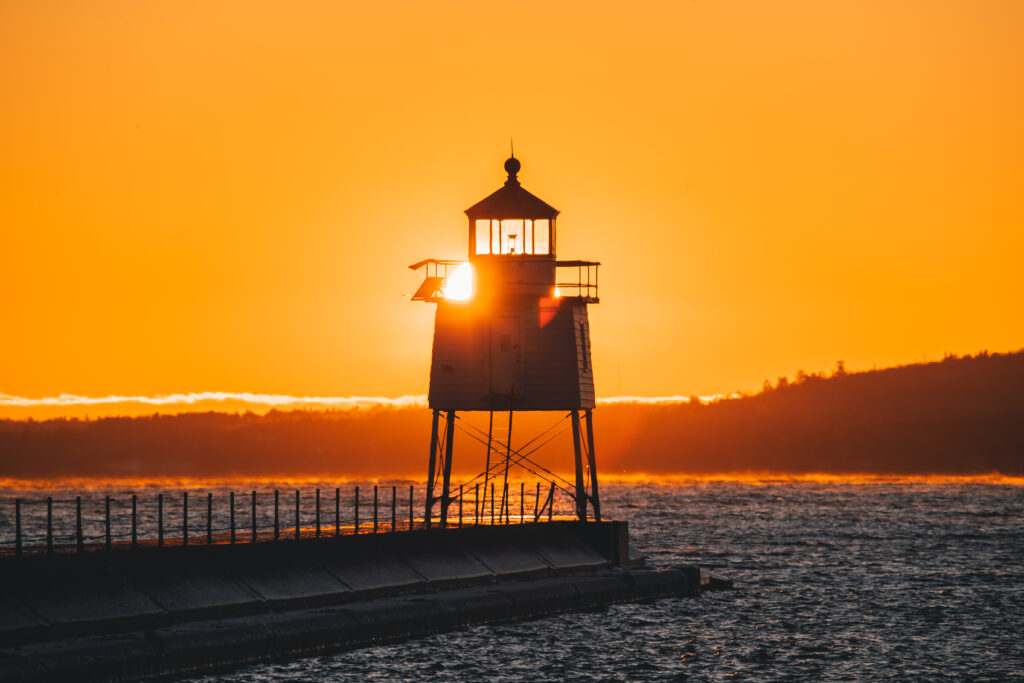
column 836, row 580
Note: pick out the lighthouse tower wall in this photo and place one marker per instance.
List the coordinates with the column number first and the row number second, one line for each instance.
column 522, row 353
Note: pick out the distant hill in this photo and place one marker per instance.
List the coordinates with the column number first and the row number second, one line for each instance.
column 959, row 415
column 962, row 415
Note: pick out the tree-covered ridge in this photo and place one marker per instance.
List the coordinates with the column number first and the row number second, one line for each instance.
column 958, row 415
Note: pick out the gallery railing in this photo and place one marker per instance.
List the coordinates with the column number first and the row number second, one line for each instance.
column 577, row 279
column 573, row 279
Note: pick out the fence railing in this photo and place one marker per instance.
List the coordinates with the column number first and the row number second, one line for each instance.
column 196, row 517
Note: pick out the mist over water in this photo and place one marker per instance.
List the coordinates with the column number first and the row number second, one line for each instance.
column 834, row 581
column 74, row 405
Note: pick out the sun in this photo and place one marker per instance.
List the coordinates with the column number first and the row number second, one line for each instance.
column 458, row 286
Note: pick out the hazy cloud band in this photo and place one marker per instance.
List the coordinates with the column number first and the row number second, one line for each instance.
column 282, row 400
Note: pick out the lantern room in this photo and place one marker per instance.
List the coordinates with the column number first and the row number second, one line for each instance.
column 512, row 221
column 512, row 241
column 512, row 252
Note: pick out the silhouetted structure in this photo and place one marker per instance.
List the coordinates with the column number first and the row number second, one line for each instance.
column 510, row 336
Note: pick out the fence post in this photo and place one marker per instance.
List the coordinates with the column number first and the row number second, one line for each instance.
column 253, row 516
column 277, row 514
column 355, row 524
column 135, row 521
column 297, row 519
column 49, row 525
column 231, row 500
column 394, row 505
column 160, row 519
column 522, row 502
column 337, row 512
column 106, row 522
column 209, row 518
column 460, row 506
column 80, row 543
column 476, row 504
column 17, row 527
column 492, row 503
column 184, row 518
column 410, row 508
column 374, row 508
column 318, row 513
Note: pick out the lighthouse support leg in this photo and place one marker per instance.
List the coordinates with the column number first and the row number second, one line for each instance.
column 447, row 475
column 595, row 499
column 431, row 468
column 581, row 492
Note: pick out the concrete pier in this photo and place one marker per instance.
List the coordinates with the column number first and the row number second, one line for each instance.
column 165, row 612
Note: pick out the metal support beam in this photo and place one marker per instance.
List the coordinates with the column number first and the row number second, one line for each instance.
column 446, row 498
column 581, row 493
column 487, row 464
column 595, row 499
column 508, row 458
column 431, row 468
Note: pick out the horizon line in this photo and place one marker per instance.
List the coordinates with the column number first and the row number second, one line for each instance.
column 287, row 400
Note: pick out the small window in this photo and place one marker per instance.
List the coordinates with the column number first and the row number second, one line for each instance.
column 542, row 236
column 483, row 237
column 512, row 236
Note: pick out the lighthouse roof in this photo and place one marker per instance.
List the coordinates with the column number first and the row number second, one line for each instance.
column 511, row 200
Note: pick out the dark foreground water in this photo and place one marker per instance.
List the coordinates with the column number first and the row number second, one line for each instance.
column 835, row 581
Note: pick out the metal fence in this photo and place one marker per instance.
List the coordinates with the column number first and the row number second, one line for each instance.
column 196, row 517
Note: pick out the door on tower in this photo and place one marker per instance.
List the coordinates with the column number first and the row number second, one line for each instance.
column 507, row 374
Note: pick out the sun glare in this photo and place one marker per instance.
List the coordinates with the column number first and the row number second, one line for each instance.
column 458, row 286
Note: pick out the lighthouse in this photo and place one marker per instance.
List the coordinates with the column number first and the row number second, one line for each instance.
column 511, row 334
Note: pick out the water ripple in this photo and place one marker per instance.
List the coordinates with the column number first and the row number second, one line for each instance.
column 835, row 582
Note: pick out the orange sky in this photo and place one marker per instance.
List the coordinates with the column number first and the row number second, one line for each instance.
column 220, row 196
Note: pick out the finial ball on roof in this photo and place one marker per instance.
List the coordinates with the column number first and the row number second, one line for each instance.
column 512, row 166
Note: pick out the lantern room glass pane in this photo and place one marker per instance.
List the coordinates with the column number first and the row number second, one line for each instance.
column 542, row 236
column 483, row 237
column 512, row 236
column 495, row 237
column 528, row 239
